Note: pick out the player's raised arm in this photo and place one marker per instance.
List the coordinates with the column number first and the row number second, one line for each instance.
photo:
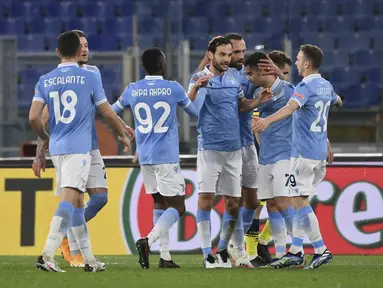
column 246, row 105
column 122, row 103
column 107, row 112
column 119, row 106
column 297, row 100
column 197, row 86
column 336, row 100
column 184, row 102
column 38, row 103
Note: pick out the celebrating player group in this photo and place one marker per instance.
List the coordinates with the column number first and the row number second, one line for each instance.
column 241, row 103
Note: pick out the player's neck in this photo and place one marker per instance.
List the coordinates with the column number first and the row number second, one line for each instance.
column 215, row 71
column 269, row 81
column 309, row 72
column 68, row 60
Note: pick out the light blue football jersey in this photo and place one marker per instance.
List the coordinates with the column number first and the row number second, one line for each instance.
column 247, row 135
column 276, row 139
column 314, row 95
column 95, row 70
column 218, row 121
column 71, row 93
column 154, row 103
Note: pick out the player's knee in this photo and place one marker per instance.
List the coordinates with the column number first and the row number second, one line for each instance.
column 205, row 201
column 250, row 200
column 232, row 205
column 283, row 203
column 300, row 202
column 271, row 204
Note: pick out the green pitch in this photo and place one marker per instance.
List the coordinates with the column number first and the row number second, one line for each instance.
column 123, row 271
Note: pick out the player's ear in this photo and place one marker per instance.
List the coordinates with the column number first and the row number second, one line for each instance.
column 58, row 53
column 210, row 55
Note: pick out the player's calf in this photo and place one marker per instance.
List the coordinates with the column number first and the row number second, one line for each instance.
column 205, row 204
column 96, row 202
column 164, row 223
column 229, row 222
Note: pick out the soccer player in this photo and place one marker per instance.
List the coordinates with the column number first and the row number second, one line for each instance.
column 71, row 94
column 249, row 181
column 278, row 65
column 275, row 152
column 97, row 183
column 219, row 160
column 154, row 103
column 311, row 101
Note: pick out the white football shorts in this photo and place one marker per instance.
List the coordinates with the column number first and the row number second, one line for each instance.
column 165, row 179
column 72, row 170
column 274, row 180
column 219, row 172
column 97, row 173
column 249, row 167
column 306, row 173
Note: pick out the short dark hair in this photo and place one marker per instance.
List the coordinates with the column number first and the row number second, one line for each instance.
column 153, row 60
column 280, row 58
column 253, row 59
column 68, row 43
column 218, row 42
column 313, row 53
column 234, row 36
column 80, row 33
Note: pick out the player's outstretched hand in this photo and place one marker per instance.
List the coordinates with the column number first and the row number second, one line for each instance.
column 39, row 163
column 259, row 124
column 126, row 142
column 130, row 131
column 265, row 95
column 202, row 81
column 269, row 68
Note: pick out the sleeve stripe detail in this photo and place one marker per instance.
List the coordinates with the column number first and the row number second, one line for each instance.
column 118, row 103
column 296, row 100
column 101, row 101
column 38, row 99
column 187, row 104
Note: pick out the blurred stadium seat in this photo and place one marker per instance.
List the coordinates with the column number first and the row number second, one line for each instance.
column 349, row 31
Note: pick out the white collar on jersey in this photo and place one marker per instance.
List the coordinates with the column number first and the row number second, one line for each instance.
column 153, row 77
column 276, row 83
column 312, row 76
column 68, row 64
column 207, row 71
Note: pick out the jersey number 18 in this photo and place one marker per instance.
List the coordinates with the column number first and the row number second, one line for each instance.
column 68, row 106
